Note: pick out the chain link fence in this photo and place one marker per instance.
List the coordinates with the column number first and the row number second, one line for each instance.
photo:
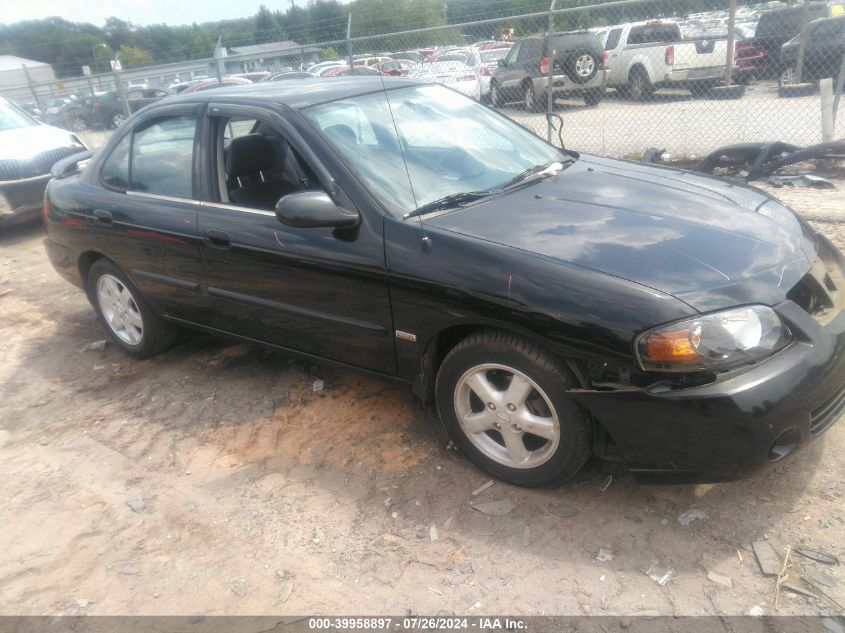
column 613, row 79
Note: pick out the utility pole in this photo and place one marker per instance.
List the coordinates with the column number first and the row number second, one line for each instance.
column 32, row 89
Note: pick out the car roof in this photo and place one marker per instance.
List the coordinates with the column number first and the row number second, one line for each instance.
column 297, row 95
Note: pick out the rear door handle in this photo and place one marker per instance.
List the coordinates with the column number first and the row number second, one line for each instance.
column 102, row 216
column 218, row 239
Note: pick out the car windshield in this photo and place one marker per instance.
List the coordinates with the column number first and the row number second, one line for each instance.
column 12, row 118
column 451, row 145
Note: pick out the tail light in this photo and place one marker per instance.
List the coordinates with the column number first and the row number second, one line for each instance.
column 487, row 71
column 45, row 209
column 97, row 106
column 544, row 65
column 604, row 60
column 669, row 55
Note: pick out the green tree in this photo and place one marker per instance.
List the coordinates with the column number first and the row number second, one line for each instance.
column 134, row 57
column 266, row 26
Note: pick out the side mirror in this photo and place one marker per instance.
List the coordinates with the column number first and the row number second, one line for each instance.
column 502, row 63
column 313, row 209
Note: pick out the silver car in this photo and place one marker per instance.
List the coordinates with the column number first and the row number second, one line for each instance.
column 28, row 149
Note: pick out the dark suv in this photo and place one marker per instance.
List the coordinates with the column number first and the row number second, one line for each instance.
column 822, row 53
column 523, row 75
column 779, row 26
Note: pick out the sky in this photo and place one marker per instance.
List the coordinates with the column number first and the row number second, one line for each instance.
column 140, row 12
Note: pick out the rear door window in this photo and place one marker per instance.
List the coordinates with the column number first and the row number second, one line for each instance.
column 654, row 34
column 530, row 50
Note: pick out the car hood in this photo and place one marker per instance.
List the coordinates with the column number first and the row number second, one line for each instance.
column 26, row 142
column 708, row 242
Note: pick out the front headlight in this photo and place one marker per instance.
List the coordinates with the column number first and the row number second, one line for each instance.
column 713, row 341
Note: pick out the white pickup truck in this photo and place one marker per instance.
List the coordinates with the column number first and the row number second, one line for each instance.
column 644, row 56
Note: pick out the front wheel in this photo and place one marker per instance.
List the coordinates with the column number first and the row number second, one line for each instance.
column 125, row 314
column 788, row 77
column 639, row 86
column 504, row 401
column 117, row 119
column 496, row 99
column 593, row 97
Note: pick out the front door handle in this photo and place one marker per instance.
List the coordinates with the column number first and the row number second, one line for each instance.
column 218, row 239
column 102, row 216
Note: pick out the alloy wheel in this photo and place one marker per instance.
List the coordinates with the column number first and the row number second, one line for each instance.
column 585, row 65
column 529, row 98
column 120, row 310
column 788, row 76
column 507, row 416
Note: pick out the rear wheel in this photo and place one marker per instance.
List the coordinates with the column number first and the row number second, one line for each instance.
column 125, row 314
column 117, row 119
column 532, row 101
column 639, row 85
column 504, row 401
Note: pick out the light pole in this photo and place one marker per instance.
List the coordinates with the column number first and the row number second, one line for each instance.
column 94, row 53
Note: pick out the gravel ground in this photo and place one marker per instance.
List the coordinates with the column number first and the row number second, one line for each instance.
column 214, row 479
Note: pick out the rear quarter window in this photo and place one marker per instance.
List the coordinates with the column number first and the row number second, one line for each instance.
column 654, row 34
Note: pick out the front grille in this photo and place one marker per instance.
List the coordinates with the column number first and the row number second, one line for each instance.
column 38, row 165
column 821, row 292
column 10, row 169
column 42, row 163
column 825, row 415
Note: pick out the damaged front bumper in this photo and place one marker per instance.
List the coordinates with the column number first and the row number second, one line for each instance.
column 21, row 200
column 727, row 429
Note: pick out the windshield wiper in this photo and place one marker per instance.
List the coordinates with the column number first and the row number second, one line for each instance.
column 536, row 172
column 448, row 202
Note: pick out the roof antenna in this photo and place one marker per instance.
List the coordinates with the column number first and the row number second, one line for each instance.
column 426, row 241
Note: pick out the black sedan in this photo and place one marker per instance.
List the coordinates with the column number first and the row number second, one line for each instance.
column 553, row 305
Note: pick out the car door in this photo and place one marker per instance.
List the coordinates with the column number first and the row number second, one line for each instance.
column 144, row 213
column 317, row 291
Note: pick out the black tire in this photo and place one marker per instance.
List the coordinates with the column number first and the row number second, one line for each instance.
column 574, row 446
column 593, row 97
column 639, row 86
column 496, row 95
column 701, row 89
column 117, row 119
column 532, row 101
column 156, row 334
column 582, row 66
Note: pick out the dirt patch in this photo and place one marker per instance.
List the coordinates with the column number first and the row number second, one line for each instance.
column 207, row 479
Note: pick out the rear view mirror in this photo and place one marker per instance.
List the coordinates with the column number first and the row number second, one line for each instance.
column 502, row 63
column 70, row 165
column 313, row 209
